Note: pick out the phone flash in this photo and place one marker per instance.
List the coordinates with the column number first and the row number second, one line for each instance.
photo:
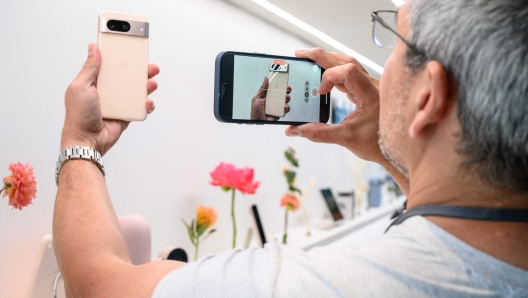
column 140, row 28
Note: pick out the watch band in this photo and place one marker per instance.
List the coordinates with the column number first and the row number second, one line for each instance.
column 78, row 152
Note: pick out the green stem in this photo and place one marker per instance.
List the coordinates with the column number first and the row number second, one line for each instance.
column 196, row 249
column 285, row 227
column 233, row 217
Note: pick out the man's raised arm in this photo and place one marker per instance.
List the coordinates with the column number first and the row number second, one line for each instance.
column 91, row 252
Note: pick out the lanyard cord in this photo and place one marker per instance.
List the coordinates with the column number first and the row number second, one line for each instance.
column 516, row 215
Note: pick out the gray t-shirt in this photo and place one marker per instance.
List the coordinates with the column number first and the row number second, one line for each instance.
column 414, row 259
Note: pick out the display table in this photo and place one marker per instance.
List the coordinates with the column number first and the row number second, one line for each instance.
column 319, row 237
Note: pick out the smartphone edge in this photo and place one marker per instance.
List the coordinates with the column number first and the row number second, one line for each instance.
column 217, row 87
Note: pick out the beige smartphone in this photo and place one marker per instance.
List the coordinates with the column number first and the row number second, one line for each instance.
column 278, row 85
column 122, row 81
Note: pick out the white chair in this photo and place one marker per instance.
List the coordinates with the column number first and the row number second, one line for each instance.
column 46, row 280
column 136, row 231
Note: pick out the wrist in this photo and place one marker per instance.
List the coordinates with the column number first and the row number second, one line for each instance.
column 376, row 156
column 69, row 139
column 76, row 153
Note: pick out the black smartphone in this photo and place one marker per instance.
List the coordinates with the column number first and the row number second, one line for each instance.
column 257, row 88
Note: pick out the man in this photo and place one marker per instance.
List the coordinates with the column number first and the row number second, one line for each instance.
column 453, row 131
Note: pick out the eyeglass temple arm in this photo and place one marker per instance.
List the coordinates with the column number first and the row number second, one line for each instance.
column 376, row 18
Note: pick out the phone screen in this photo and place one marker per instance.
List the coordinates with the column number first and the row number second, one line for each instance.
column 332, row 204
column 262, row 88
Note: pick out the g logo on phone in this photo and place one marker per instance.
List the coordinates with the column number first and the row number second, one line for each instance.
column 123, row 64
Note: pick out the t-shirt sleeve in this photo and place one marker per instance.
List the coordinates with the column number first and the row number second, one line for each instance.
column 238, row 273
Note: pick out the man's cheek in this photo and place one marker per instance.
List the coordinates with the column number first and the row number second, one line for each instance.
column 384, row 95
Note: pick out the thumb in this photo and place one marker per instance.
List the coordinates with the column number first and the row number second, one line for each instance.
column 317, row 132
column 264, row 88
column 91, row 67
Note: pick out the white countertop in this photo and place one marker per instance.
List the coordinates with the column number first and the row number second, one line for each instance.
column 319, row 237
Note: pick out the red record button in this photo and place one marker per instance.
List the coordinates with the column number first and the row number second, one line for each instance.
column 315, row 92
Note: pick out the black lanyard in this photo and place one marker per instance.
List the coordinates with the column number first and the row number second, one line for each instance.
column 463, row 212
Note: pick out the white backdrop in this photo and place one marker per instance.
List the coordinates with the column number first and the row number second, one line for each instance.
column 159, row 168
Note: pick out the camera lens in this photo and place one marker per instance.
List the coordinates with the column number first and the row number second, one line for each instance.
column 120, row 26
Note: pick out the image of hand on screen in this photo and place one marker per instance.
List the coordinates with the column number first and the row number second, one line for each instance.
column 258, row 103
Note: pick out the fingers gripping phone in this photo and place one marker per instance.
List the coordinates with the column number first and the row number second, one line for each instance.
column 256, row 88
column 122, row 80
column 277, row 88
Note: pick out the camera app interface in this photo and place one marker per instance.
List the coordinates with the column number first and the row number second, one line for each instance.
column 275, row 89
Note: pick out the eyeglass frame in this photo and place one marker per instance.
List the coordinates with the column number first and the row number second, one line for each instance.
column 377, row 18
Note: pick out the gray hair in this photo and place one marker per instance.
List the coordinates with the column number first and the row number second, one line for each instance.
column 484, row 47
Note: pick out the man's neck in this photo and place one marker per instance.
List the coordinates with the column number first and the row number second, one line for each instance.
column 444, row 184
column 448, row 183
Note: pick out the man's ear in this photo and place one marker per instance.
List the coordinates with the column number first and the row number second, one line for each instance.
column 433, row 100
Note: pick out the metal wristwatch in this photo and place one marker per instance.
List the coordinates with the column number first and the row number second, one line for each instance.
column 78, row 152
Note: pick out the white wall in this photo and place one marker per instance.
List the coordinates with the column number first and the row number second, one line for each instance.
column 159, row 168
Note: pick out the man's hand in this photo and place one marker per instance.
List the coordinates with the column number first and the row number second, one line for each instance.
column 358, row 131
column 258, row 103
column 83, row 124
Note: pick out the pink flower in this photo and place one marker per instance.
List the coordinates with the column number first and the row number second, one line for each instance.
column 290, row 201
column 205, row 216
column 228, row 176
column 20, row 186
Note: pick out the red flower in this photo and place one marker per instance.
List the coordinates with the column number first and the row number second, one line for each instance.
column 20, row 186
column 228, row 176
column 290, row 201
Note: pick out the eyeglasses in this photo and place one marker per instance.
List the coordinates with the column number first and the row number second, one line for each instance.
column 382, row 33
